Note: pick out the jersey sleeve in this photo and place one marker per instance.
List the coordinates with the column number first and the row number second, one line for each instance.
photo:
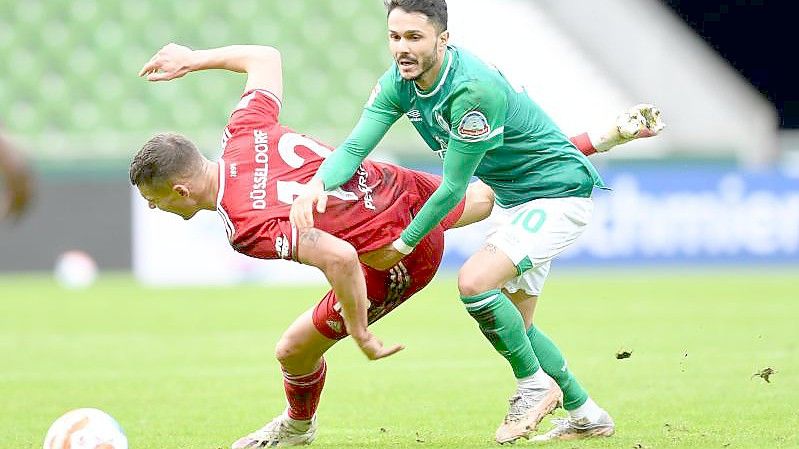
column 381, row 111
column 477, row 119
column 276, row 239
column 256, row 109
column 458, row 170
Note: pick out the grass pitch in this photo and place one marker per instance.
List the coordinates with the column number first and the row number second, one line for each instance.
column 193, row 368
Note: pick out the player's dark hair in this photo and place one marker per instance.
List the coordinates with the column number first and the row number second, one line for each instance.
column 164, row 157
column 435, row 10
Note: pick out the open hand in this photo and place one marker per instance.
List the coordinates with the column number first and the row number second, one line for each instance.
column 373, row 347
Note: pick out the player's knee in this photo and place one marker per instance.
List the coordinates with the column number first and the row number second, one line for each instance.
column 288, row 353
column 471, row 284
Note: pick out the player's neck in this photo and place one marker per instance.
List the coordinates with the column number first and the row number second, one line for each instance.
column 210, row 182
column 428, row 79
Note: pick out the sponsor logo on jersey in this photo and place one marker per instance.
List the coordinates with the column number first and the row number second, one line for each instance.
column 282, row 247
column 234, row 169
column 363, row 186
column 474, row 124
column 258, row 192
column 373, row 95
column 414, row 115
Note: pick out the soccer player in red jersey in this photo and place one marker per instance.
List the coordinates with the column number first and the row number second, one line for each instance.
column 252, row 187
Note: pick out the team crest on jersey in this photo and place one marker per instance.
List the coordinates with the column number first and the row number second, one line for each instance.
column 474, row 124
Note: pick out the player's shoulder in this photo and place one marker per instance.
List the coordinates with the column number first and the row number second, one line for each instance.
column 471, row 72
column 262, row 96
column 255, row 108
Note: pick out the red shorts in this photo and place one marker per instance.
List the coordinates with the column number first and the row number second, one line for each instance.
column 386, row 289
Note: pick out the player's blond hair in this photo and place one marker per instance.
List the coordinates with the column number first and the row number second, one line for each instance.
column 163, row 158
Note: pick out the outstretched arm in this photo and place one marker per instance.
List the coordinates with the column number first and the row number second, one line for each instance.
column 18, row 181
column 638, row 122
column 262, row 64
column 338, row 260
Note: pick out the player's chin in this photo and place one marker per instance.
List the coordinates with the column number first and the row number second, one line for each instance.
column 411, row 73
column 188, row 215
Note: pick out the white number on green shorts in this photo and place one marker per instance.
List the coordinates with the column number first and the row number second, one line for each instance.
column 531, row 220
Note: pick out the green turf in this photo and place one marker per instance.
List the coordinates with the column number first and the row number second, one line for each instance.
column 193, row 368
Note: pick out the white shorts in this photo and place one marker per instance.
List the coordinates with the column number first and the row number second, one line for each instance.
column 533, row 233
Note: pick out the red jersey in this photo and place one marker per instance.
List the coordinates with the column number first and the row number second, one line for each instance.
column 263, row 168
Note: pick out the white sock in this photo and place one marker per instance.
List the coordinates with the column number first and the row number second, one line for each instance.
column 538, row 379
column 589, row 411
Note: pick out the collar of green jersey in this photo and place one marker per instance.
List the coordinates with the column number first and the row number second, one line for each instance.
column 442, row 76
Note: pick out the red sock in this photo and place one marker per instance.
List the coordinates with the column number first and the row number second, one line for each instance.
column 303, row 392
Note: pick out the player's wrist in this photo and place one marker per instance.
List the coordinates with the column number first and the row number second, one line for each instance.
column 402, row 247
column 604, row 140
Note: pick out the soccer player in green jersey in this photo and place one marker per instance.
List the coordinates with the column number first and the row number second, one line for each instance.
column 481, row 125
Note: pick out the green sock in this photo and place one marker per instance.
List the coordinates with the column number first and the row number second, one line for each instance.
column 503, row 326
column 554, row 364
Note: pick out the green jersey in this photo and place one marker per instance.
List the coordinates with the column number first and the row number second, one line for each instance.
column 480, row 125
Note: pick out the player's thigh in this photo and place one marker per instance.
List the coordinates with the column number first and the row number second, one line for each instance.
column 302, row 344
column 534, row 233
column 487, row 269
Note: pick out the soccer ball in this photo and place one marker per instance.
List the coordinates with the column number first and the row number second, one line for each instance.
column 85, row 428
column 75, row 269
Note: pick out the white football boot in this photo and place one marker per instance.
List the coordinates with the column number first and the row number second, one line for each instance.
column 528, row 407
column 575, row 429
column 280, row 432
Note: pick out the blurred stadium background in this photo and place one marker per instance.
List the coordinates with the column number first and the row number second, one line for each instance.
column 719, row 186
column 711, row 208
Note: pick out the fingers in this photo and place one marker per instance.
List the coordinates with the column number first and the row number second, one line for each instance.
column 160, row 76
column 391, row 351
column 376, row 351
column 321, row 203
column 301, row 214
column 150, row 67
column 651, row 121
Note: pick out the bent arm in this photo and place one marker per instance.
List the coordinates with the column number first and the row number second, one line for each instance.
column 338, row 260
column 459, row 166
column 262, row 64
column 339, row 167
column 480, row 197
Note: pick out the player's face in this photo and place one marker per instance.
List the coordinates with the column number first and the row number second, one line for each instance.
column 415, row 44
column 176, row 199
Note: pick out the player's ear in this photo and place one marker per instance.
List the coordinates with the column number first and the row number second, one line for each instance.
column 443, row 39
column 181, row 190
